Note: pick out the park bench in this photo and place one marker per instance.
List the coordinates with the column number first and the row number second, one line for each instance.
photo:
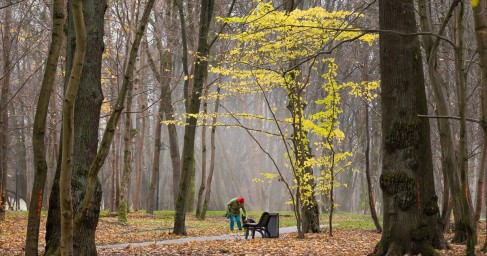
column 266, row 226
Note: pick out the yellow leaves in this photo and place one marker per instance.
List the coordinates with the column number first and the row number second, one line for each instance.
column 474, row 3
column 105, row 107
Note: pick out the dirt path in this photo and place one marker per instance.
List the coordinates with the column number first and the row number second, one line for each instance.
column 284, row 230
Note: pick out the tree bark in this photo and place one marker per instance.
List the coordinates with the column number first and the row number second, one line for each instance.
column 193, row 106
column 480, row 21
column 39, row 130
column 104, row 148
column 86, row 123
column 65, row 197
column 4, row 96
column 410, row 203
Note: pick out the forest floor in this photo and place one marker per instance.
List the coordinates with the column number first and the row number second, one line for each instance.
column 352, row 235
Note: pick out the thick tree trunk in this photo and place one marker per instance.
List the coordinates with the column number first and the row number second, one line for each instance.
column 86, row 123
column 39, row 130
column 193, row 106
column 410, row 203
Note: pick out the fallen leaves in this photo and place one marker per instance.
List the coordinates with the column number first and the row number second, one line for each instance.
column 147, row 228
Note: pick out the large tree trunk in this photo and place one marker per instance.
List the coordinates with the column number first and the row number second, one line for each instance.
column 39, row 130
column 193, row 107
column 86, row 116
column 4, row 95
column 410, row 203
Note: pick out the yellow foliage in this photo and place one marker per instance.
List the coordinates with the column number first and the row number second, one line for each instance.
column 105, row 107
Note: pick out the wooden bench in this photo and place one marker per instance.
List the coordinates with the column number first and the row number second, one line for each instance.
column 261, row 226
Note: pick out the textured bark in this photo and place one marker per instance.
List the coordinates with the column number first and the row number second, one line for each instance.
column 193, row 107
column 409, row 200
column 86, row 116
column 4, row 96
column 39, row 130
column 107, row 139
column 480, row 21
column 65, row 196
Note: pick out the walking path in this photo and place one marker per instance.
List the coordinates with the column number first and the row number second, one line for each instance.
column 284, row 230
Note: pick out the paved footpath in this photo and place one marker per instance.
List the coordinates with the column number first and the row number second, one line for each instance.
column 190, row 239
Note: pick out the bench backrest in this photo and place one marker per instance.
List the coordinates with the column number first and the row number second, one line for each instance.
column 264, row 219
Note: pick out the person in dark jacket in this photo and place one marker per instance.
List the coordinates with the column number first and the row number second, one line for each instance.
column 233, row 212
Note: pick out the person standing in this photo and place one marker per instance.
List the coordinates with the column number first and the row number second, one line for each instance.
column 233, row 212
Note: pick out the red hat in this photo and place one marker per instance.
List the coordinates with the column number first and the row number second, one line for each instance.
column 240, row 200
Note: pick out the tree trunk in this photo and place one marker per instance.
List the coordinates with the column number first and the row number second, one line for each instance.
column 370, row 191
column 97, row 163
column 200, row 74
column 155, row 159
column 201, row 190
column 65, row 197
column 480, row 21
column 4, row 96
column 463, row 225
column 86, row 123
column 39, row 130
column 212, row 157
column 140, row 150
column 410, row 204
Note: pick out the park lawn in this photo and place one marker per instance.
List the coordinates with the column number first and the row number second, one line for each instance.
column 353, row 234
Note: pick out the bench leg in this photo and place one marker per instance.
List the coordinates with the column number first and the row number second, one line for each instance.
column 246, row 233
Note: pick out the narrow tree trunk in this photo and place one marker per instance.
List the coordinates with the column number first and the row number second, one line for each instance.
column 155, row 160
column 140, row 150
column 39, row 130
column 193, row 106
column 370, row 191
column 4, row 95
column 201, row 190
column 212, row 157
column 480, row 21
